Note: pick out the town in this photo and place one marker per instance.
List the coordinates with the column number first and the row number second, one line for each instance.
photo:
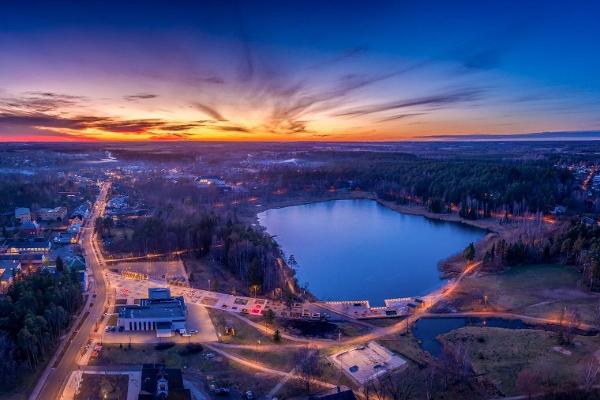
column 299, row 200
column 165, row 297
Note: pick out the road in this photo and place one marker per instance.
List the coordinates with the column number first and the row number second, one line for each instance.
column 64, row 361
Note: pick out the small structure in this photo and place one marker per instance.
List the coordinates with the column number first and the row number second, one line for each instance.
column 160, row 312
column 22, row 214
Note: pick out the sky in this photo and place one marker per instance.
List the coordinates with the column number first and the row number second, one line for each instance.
column 296, row 70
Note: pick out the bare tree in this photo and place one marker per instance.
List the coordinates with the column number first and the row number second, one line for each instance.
column 308, row 367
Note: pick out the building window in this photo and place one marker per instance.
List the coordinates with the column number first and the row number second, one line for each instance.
column 129, row 325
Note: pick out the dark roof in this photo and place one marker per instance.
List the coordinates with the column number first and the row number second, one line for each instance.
column 343, row 394
column 152, row 372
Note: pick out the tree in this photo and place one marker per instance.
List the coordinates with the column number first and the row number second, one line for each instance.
column 307, row 362
column 269, row 316
column 8, row 366
column 469, row 252
column 60, row 266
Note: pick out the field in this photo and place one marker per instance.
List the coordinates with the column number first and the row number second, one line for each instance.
column 536, row 290
column 103, row 386
column 244, row 333
column 199, row 366
column 499, row 355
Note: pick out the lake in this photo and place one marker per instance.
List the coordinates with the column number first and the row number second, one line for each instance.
column 361, row 250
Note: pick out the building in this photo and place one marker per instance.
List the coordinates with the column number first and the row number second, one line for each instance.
column 28, row 247
column 66, row 238
column 337, row 393
column 27, row 260
column 8, row 269
column 159, row 382
column 22, row 214
column 160, row 312
column 52, row 214
column 82, row 212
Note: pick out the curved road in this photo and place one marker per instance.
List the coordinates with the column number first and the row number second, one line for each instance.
column 64, row 361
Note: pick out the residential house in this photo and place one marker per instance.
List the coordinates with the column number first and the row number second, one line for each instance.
column 52, row 214
column 22, row 214
column 30, row 228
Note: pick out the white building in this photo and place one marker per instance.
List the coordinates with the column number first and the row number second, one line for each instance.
column 160, row 312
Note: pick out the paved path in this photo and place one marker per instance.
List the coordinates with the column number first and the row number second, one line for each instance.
column 57, row 372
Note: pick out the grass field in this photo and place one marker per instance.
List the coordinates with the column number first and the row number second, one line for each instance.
column 199, row 365
column 244, row 333
column 499, row 354
column 536, row 290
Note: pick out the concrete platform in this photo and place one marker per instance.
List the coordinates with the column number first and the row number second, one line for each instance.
column 367, row 362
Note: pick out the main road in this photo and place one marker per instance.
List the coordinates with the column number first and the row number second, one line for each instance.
column 50, row 384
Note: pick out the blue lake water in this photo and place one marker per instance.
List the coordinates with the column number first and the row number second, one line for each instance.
column 361, row 250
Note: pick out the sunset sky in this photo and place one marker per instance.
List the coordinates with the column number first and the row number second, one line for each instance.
column 296, row 70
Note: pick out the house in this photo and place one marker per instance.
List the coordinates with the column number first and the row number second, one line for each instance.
column 30, row 228
column 160, row 312
column 82, row 212
column 22, row 214
column 52, row 214
column 211, row 180
column 159, row 382
column 8, row 270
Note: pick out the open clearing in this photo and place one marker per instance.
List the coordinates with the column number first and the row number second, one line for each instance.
column 535, row 290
